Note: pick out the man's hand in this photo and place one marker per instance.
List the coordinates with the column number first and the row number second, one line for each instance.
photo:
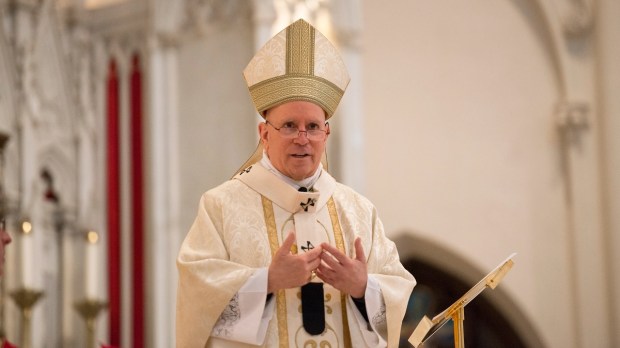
column 291, row 271
column 343, row 273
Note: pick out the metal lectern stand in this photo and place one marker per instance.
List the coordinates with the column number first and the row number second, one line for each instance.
column 456, row 312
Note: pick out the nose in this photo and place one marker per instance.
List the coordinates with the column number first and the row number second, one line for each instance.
column 301, row 140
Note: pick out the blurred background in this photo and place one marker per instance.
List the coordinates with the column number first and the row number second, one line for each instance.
column 477, row 128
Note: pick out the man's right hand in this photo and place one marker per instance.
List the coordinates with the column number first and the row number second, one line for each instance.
column 288, row 270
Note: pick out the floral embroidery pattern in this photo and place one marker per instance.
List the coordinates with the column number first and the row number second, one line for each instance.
column 228, row 318
column 379, row 319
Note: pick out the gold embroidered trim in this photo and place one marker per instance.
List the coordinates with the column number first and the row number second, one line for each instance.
column 270, row 221
column 300, row 48
column 333, row 214
column 272, row 233
column 281, row 89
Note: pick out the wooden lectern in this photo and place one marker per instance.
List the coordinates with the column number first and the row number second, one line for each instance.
column 456, row 312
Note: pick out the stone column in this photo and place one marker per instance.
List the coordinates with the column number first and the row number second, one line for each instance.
column 348, row 161
column 608, row 71
column 162, row 131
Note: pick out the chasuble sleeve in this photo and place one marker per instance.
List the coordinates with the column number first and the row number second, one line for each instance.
column 395, row 281
column 375, row 332
column 208, row 278
column 247, row 315
column 359, row 218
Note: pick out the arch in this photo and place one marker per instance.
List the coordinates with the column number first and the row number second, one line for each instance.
column 553, row 28
column 591, row 291
column 538, row 15
column 413, row 248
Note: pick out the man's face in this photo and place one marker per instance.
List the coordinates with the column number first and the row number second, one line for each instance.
column 298, row 157
column 4, row 240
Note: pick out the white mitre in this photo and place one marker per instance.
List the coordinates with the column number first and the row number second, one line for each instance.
column 299, row 63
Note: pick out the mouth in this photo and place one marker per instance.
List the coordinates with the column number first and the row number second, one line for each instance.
column 300, row 155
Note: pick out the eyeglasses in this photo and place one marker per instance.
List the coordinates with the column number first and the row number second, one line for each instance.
column 290, row 131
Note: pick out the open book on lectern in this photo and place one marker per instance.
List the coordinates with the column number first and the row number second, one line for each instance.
column 427, row 327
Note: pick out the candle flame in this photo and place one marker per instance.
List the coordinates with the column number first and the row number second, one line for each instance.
column 26, row 227
column 92, row 237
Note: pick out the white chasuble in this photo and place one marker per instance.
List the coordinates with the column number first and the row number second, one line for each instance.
column 306, row 214
column 240, row 225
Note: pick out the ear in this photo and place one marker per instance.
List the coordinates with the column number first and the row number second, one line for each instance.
column 263, row 133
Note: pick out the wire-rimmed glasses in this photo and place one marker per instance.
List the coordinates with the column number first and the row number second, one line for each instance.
column 291, row 131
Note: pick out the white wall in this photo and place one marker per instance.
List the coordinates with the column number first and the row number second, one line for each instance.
column 463, row 148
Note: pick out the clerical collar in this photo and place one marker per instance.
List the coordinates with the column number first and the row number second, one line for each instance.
column 307, row 182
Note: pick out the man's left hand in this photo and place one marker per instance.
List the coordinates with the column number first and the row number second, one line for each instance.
column 346, row 274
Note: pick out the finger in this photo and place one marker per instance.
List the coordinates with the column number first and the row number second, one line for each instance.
column 329, row 248
column 327, row 271
column 314, row 264
column 321, row 276
column 312, row 258
column 325, row 267
column 330, row 260
column 315, row 252
column 324, row 272
column 359, row 250
column 335, row 253
column 285, row 248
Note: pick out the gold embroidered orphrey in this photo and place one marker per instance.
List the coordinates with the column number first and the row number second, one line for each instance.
column 280, row 296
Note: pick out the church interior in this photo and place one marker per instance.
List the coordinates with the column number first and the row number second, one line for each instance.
column 477, row 128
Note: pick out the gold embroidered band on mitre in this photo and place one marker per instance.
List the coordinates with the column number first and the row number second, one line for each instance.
column 300, row 48
column 285, row 88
